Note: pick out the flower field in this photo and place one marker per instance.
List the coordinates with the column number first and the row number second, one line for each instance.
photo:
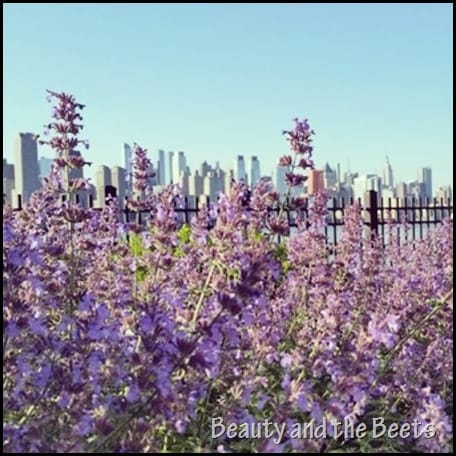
column 167, row 337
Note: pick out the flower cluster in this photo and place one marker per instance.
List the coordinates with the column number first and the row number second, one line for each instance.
column 122, row 338
column 300, row 139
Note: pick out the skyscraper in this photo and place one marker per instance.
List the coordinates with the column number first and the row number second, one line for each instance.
column 8, row 180
column 196, row 184
column 170, row 166
column 254, row 170
column 329, row 176
column 280, row 184
column 366, row 182
column 388, row 174
column 161, row 168
column 425, row 177
column 102, row 179
column 45, row 165
column 118, row 175
column 228, row 181
column 128, row 166
column 239, row 169
column 178, row 166
column 26, row 166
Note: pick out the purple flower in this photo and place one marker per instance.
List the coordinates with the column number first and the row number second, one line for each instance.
column 295, row 179
column 133, row 393
column 286, row 361
column 84, row 426
column 37, row 327
column 181, row 426
column 286, row 160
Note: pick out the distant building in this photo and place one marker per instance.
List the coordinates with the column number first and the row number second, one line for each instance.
column 350, row 177
column 388, row 194
column 366, row 182
column 102, row 180
column 279, row 177
column 254, row 171
column 388, row 181
column 8, row 180
column 205, row 168
column 444, row 193
column 417, row 190
column 26, row 170
column 315, row 183
column 170, row 166
column 214, row 183
column 401, row 191
column 128, row 166
column 344, row 193
column 118, row 175
column 45, row 165
column 161, row 178
column 184, row 181
column 425, row 177
column 195, row 184
column 178, row 165
column 329, row 176
column 239, row 169
column 228, row 179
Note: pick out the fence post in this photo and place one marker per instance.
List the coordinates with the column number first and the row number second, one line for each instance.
column 371, row 213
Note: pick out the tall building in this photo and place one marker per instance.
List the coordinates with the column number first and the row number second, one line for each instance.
column 425, row 177
column 316, row 183
column 205, row 168
column 128, row 166
column 329, row 176
column 280, row 184
column 444, row 193
column 366, row 182
column 209, row 185
column 401, row 191
column 161, row 168
column 254, row 170
column 196, row 184
column 388, row 175
column 339, row 176
column 8, row 180
column 184, row 181
column 102, row 179
column 45, row 165
column 118, row 175
column 170, row 166
column 178, row 164
column 417, row 190
column 26, row 166
column 214, row 183
column 239, row 169
column 228, row 179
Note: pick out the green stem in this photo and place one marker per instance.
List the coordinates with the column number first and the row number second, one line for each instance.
column 202, row 295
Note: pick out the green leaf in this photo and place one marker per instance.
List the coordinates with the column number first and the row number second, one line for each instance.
column 136, row 245
column 184, row 233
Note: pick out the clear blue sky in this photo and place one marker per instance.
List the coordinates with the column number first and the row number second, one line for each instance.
column 217, row 80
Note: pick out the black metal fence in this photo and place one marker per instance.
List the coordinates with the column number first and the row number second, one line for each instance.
column 411, row 218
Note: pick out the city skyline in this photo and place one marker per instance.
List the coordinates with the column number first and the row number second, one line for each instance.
column 209, row 180
column 223, row 80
